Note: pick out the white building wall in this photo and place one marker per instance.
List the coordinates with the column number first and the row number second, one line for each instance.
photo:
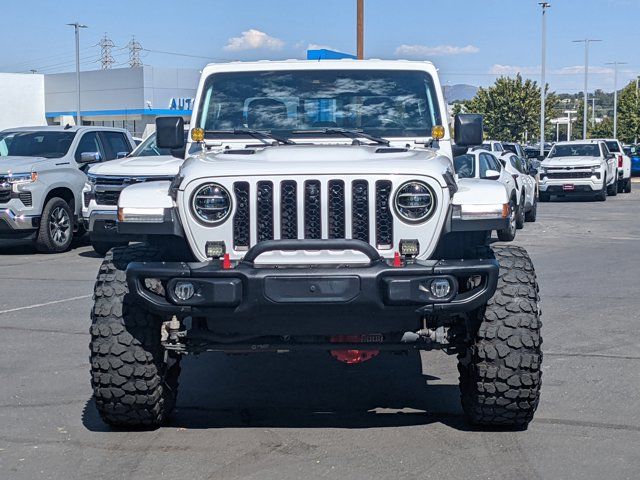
column 21, row 100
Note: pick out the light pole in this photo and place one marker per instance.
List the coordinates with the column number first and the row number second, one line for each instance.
column 543, row 85
column 586, row 78
column 569, row 112
column 615, row 96
column 77, row 26
column 593, row 111
column 360, row 29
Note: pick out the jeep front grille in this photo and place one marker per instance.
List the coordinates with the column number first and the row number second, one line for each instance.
column 313, row 209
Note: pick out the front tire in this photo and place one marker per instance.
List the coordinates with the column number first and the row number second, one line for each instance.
column 612, row 190
column 601, row 196
column 532, row 214
column 56, row 227
column 134, row 381
column 101, row 248
column 520, row 216
column 500, row 371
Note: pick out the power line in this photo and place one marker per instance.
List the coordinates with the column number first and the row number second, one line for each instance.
column 176, row 53
column 106, row 45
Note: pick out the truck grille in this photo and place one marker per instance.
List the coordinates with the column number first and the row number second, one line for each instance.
column 109, row 197
column 313, row 209
column 107, row 188
column 5, row 196
column 570, row 175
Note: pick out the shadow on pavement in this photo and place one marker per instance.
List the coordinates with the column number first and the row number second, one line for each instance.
column 310, row 390
column 26, row 247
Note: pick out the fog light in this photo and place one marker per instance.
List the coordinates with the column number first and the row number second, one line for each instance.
column 409, row 248
column 440, row 287
column 184, row 290
column 215, row 249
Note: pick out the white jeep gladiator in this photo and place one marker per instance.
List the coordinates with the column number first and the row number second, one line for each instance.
column 106, row 180
column 322, row 212
column 42, row 173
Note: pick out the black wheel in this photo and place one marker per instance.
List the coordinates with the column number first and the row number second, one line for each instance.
column 520, row 216
column 509, row 233
column 56, row 227
column 134, row 379
column 500, row 371
column 532, row 214
column 612, row 190
column 620, row 186
column 627, row 185
column 601, row 196
column 102, row 248
column 544, row 197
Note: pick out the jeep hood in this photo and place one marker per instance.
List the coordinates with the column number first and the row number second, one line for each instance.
column 559, row 162
column 22, row 164
column 318, row 160
column 162, row 165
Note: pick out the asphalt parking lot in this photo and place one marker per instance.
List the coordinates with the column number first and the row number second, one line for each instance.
column 289, row 417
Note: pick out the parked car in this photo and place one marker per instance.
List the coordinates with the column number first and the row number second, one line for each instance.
column 42, row 172
column 493, row 146
column 105, row 181
column 514, row 147
column 526, row 184
column 290, row 235
column 482, row 164
column 624, row 165
column 583, row 167
column 634, row 153
column 533, row 151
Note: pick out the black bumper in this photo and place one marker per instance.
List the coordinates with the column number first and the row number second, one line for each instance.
column 313, row 299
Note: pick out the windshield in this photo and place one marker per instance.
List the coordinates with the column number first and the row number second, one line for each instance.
column 35, row 144
column 378, row 102
column 613, row 147
column 575, row 150
column 465, row 166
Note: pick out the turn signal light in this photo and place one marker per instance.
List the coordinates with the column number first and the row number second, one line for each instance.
column 197, row 134
column 437, row 132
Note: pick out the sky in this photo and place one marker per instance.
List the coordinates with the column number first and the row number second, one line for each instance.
column 470, row 41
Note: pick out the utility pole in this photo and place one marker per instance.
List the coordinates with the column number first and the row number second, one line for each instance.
column 134, row 53
column 636, row 129
column 586, row 79
column 615, row 96
column 77, row 26
column 106, row 44
column 593, row 111
column 543, row 83
column 569, row 112
column 360, row 29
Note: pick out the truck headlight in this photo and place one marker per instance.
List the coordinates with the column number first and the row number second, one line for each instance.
column 18, row 178
column 211, row 204
column 415, row 202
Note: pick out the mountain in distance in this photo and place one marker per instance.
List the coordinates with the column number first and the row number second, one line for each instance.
column 459, row 92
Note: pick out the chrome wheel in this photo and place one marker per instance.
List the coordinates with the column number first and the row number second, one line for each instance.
column 59, row 225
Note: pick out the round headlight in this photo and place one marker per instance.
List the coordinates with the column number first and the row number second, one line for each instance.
column 211, row 203
column 415, row 202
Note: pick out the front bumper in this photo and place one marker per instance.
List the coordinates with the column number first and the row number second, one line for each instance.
column 17, row 225
column 571, row 185
column 248, row 299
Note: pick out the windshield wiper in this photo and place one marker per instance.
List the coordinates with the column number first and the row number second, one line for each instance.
column 349, row 133
column 258, row 134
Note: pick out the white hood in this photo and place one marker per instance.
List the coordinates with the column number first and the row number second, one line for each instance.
column 318, row 160
column 21, row 164
column 560, row 162
column 163, row 165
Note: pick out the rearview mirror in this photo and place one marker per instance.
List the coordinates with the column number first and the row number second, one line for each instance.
column 491, row 175
column 468, row 129
column 90, row 157
column 170, row 132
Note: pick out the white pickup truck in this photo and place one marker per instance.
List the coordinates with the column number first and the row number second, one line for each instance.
column 42, row 174
column 105, row 182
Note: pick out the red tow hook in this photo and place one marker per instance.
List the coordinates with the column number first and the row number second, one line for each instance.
column 397, row 260
column 352, row 357
column 226, row 262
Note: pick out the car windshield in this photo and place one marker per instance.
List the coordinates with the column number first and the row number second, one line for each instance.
column 575, row 150
column 613, row 147
column 465, row 166
column 382, row 103
column 148, row 147
column 35, row 144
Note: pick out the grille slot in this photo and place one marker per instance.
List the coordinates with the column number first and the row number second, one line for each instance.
column 336, row 209
column 242, row 217
column 110, row 197
column 265, row 211
column 288, row 210
column 312, row 210
column 5, row 196
column 570, row 174
column 384, row 217
column 26, row 198
column 360, row 214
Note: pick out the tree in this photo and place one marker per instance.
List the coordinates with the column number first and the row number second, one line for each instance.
column 511, row 108
column 629, row 114
column 603, row 129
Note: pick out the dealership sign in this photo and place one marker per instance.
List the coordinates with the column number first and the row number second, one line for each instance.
column 181, row 103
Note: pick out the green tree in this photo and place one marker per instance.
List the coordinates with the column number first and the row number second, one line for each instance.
column 628, row 114
column 603, row 129
column 511, row 108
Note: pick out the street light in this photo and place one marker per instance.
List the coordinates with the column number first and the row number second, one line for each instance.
column 569, row 112
column 77, row 26
column 586, row 77
column 615, row 96
column 593, row 111
column 543, row 85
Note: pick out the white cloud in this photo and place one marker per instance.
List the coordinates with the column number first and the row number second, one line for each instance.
column 498, row 69
column 253, row 40
column 315, row 46
column 437, row 51
column 579, row 70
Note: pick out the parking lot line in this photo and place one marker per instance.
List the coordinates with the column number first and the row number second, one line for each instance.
column 38, row 305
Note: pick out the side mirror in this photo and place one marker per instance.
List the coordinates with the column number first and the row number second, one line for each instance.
column 121, row 154
column 610, row 156
column 90, row 157
column 170, row 132
column 491, row 175
column 468, row 129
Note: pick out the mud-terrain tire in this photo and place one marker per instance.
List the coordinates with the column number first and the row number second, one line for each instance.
column 101, row 248
column 134, row 383
column 532, row 214
column 500, row 371
column 509, row 233
column 55, row 233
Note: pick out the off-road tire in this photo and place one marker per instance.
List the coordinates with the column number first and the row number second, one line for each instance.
column 44, row 240
column 627, row 185
column 500, row 371
column 509, row 233
column 101, row 248
column 532, row 214
column 521, row 214
column 544, row 197
column 134, row 381
column 612, row 190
